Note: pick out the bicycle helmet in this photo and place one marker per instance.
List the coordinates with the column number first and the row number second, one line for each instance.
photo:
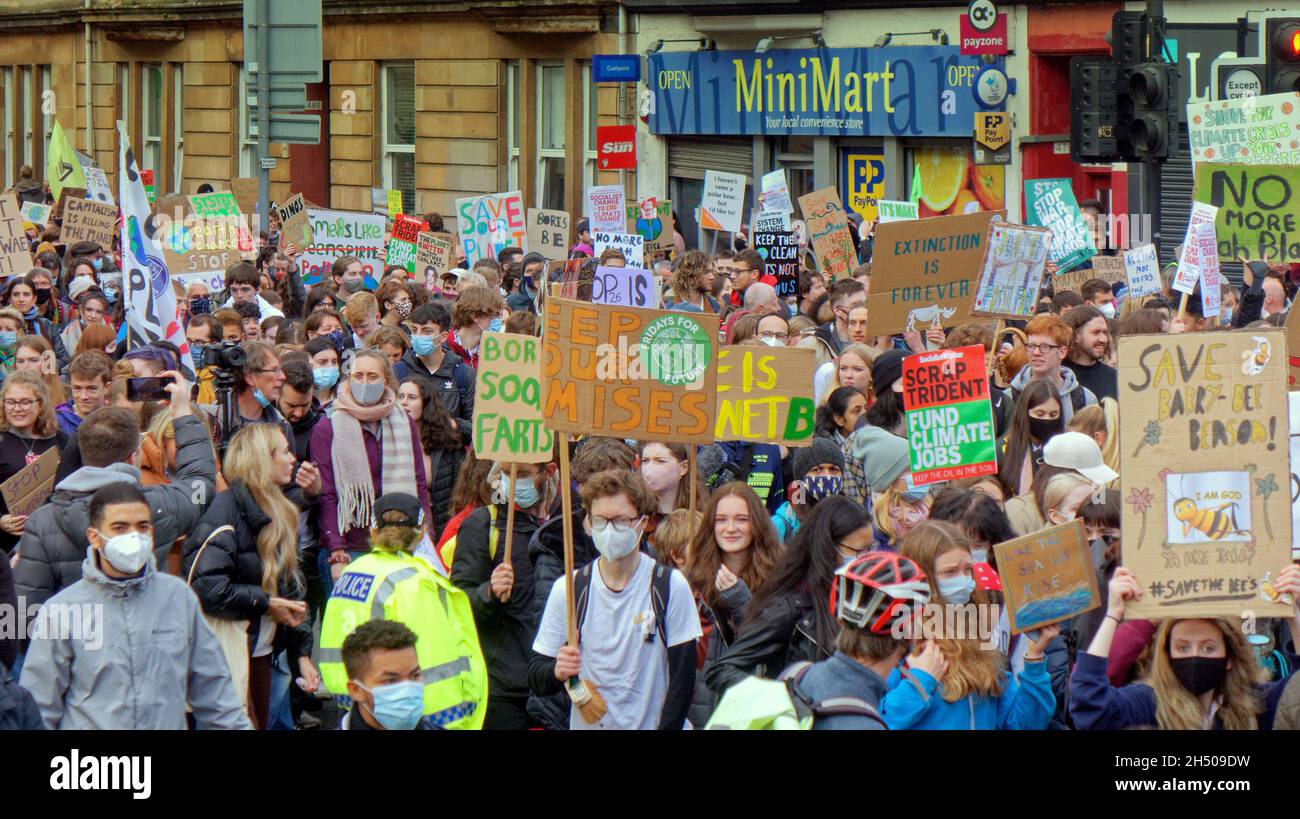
column 876, row 589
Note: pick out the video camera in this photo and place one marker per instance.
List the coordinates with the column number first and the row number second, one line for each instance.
column 223, row 355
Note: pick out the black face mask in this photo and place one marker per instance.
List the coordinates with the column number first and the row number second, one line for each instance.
column 1200, row 674
column 42, row 295
column 1044, row 428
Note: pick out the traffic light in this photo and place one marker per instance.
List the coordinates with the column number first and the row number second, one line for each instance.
column 1094, row 117
column 1153, row 125
column 1283, row 42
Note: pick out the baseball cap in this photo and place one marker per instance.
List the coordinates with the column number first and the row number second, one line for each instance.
column 1074, row 450
column 401, row 502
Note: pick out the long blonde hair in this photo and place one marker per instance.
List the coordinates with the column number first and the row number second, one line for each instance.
column 248, row 461
column 862, row 351
column 1101, row 417
column 973, row 669
column 1179, row 709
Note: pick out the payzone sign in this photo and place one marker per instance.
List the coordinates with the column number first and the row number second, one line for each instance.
column 864, row 182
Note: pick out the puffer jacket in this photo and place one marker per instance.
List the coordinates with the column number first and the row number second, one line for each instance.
column 149, row 653
column 717, row 636
column 53, row 546
column 546, row 554
column 782, row 634
column 228, row 577
column 18, row 711
column 445, row 464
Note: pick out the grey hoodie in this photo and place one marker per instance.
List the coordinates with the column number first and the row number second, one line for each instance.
column 1068, row 385
column 127, row 655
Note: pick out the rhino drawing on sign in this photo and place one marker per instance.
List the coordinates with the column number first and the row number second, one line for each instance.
column 931, row 314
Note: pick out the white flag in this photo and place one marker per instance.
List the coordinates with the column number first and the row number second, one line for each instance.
column 146, row 286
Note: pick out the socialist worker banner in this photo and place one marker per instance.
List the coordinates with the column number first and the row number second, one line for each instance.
column 950, row 431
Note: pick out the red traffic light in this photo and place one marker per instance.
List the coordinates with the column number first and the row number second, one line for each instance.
column 1286, row 42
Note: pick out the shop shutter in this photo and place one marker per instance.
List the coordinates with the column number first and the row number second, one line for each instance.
column 690, row 157
column 1175, row 198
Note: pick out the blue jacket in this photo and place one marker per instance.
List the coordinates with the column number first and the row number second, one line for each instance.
column 786, row 522
column 841, row 676
column 915, row 700
column 765, row 476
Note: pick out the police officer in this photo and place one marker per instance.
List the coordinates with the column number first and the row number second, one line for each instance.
column 391, row 583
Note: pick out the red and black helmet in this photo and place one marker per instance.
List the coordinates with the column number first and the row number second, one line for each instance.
column 876, row 589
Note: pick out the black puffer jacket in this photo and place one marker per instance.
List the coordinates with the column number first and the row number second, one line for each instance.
column 546, row 554
column 18, row 711
column 444, row 463
column 228, row 577
column 782, row 633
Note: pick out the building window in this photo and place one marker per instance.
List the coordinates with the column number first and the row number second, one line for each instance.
column 29, row 115
column 399, row 131
column 247, row 142
column 152, row 120
column 47, row 112
column 512, row 124
column 589, row 110
column 550, row 135
column 9, row 125
column 178, row 106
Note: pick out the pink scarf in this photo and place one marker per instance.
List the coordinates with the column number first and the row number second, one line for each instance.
column 352, row 484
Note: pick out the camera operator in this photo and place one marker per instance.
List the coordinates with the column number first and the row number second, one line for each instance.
column 257, row 387
column 202, row 331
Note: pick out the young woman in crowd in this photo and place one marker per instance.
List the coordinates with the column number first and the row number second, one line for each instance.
column 1101, row 423
column 92, row 307
column 21, row 295
column 666, row 468
column 27, row 429
column 1034, row 420
column 394, row 302
column 852, row 369
column 954, row 681
column 818, row 472
column 324, row 357
column 897, row 510
column 242, row 559
column 97, row 337
column 838, row 416
column 980, row 518
column 48, row 305
column 440, row 441
column 1203, row 674
column 36, row 355
column 787, row 621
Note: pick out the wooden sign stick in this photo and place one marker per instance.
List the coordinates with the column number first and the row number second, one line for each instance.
column 510, row 517
column 690, row 475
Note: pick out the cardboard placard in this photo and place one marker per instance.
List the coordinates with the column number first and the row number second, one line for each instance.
column 629, row 373
column 217, row 224
column 1050, row 203
column 775, row 193
column 1109, row 269
column 1188, row 272
column 295, row 224
column 31, row 485
column 1293, row 350
column 36, row 213
column 770, row 221
column 606, row 209
column 828, row 233
column 923, row 273
column 1011, row 273
column 85, row 220
column 652, row 220
column 889, row 210
column 1142, row 269
column 488, row 224
column 723, row 201
column 344, row 233
column 1204, row 460
column 97, row 187
column 1047, row 577
column 432, row 253
column 394, row 202
column 15, row 251
column 780, row 252
column 1259, row 209
column 548, row 233
column 950, row 430
column 508, row 401
column 1255, row 130
column 631, row 245
column 624, row 286
column 765, row 395
column 244, row 189
column 64, row 195
column 1294, row 407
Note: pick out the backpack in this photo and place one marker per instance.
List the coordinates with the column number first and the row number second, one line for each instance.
column 760, row 704
column 447, row 550
column 660, row 589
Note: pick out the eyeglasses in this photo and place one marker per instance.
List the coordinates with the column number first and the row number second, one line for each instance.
column 272, row 371
column 19, row 403
column 1042, row 348
column 620, row 525
column 777, row 336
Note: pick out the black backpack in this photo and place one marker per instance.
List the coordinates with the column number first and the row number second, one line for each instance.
column 660, row 587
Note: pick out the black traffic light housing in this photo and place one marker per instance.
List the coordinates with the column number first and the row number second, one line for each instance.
column 1283, row 60
column 1153, row 122
column 1094, row 117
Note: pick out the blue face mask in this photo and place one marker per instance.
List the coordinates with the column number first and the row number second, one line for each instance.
column 495, row 326
column 196, row 357
column 98, row 263
column 261, row 398
column 1225, row 317
column 325, row 377
column 820, row 487
column 422, row 345
column 398, row 706
column 8, row 339
column 526, row 494
column 956, row 590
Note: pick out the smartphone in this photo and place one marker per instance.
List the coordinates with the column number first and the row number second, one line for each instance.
column 147, row 389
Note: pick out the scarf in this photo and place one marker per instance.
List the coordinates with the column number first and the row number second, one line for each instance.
column 352, row 484
column 32, row 317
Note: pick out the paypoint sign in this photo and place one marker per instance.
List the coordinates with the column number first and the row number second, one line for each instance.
column 864, row 175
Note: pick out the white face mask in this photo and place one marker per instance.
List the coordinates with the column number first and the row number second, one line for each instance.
column 1108, row 309
column 613, row 544
column 771, row 342
column 127, row 552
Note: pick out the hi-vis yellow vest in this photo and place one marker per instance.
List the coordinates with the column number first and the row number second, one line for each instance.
column 401, row 587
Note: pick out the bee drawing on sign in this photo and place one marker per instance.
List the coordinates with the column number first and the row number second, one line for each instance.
column 1253, row 361
column 1209, row 507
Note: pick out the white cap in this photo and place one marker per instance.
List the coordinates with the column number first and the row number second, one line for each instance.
column 1074, row 450
column 80, row 285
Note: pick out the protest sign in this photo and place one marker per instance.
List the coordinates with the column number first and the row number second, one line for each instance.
column 950, row 432
column 631, row 245
column 889, row 210
column 1047, row 577
column 1207, row 259
column 490, row 223
column 85, row 220
column 764, row 395
column 606, row 209
column 31, row 485
column 1255, row 130
column 295, row 226
column 36, row 213
column 1258, row 209
column 1188, row 272
column 1050, row 203
column 1109, row 269
column 1142, row 268
column 15, row 252
column 401, row 244
column 508, row 401
column 1293, row 348
column 652, row 220
column 723, row 201
column 1011, row 274
column 244, row 189
column 394, row 202
column 97, row 187
column 624, row 286
column 548, row 233
column 216, row 224
column 923, row 273
column 780, row 254
column 432, row 252
column 770, row 221
column 828, row 232
column 344, row 233
column 1294, row 407
column 775, row 193
column 66, row 194
column 1202, row 457
column 629, row 373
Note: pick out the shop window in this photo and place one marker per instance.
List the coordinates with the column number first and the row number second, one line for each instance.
column 399, row 131
column 947, row 184
column 550, row 135
column 795, row 155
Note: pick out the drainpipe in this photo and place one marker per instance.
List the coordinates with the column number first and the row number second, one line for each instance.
column 90, row 101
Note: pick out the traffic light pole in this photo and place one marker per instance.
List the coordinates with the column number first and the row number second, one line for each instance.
column 1153, row 51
